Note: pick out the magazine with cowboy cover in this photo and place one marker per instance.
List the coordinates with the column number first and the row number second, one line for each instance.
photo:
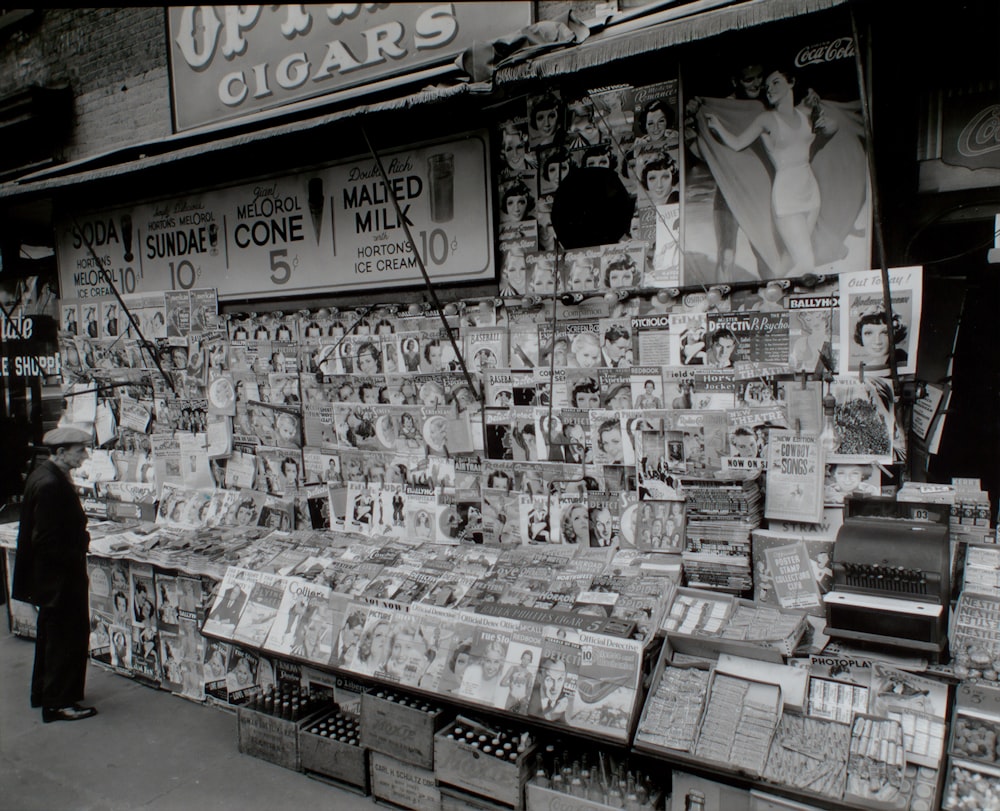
column 795, row 477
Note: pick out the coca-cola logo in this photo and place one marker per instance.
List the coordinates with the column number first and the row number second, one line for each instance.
column 398, row 733
column 982, row 134
column 559, row 804
column 841, row 48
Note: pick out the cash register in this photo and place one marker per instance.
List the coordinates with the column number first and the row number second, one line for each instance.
column 891, row 579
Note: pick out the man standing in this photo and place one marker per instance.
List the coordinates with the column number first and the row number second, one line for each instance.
column 51, row 573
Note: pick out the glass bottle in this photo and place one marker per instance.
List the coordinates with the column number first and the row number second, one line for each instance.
column 576, row 787
column 558, row 782
column 828, row 436
column 631, row 795
column 694, row 801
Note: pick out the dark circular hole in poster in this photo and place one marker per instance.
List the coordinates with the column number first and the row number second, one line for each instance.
column 591, row 207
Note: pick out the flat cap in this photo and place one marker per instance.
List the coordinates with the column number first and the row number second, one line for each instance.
column 66, row 436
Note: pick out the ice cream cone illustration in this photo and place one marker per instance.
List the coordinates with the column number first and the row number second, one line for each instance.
column 316, row 203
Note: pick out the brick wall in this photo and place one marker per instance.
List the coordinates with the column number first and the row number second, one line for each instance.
column 115, row 61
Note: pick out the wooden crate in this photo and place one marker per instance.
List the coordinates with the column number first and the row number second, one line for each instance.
column 403, row 784
column 453, row 799
column 404, row 732
column 459, row 764
column 270, row 737
column 329, row 757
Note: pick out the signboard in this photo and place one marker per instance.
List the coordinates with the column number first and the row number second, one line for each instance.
column 329, row 230
column 28, row 342
column 229, row 61
column 959, row 146
column 30, row 348
column 971, row 137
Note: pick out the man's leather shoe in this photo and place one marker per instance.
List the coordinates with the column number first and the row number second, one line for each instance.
column 73, row 713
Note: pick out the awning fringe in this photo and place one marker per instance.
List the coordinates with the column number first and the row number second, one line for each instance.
column 610, row 46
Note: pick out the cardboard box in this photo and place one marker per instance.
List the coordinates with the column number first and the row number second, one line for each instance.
column 970, row 785
column 759, row 801
column 404, row 732
column 649, row 737
column 270, row 737
column 709, row 646
column 717, row 796
column 332, row 758
column 871, row 779
column 539, row 798
column 403, row 784
column 763, row 695
column 464, row 766
column 977, row 714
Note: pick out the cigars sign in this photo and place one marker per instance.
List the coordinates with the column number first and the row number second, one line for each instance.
column 327, row 230
column 229, row 61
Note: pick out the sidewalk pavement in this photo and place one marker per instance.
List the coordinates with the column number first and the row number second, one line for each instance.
column 146, row 749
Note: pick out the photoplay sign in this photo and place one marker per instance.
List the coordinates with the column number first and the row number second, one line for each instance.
column 229, row 61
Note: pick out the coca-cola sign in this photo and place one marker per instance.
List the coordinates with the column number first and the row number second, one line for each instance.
column 982, row 134
column 970, row 128
column 840, row 48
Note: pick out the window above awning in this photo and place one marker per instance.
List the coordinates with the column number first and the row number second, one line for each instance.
column 676, row 25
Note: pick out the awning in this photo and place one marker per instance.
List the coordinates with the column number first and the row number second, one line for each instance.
column 664, row 29
column 634, row 34
column 191, row 144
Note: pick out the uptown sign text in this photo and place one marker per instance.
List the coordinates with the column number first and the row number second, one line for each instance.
column 202, row 38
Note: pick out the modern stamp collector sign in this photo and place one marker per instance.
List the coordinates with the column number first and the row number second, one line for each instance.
column 329, row 230
column 230, row 61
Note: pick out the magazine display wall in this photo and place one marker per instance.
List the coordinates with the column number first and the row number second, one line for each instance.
column 580, row 481
column 320, row 502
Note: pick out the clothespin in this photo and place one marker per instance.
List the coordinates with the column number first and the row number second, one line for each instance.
column 805, row 377
column 798, row 427
column 861, row 372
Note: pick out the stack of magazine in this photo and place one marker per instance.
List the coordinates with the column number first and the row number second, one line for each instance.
column 721, row 515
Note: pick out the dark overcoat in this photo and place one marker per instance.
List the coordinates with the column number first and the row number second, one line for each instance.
column 52, row 541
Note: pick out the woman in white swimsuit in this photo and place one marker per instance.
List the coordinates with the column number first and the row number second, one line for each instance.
column 787, row 133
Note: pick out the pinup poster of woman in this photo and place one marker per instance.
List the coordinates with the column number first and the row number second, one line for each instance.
column 776, row 185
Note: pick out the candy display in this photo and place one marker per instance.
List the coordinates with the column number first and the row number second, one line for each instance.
column 972, row 789
column 739, row 719
column 673, row 708
column 809, row 754
column 976, row 738
column 876, row 763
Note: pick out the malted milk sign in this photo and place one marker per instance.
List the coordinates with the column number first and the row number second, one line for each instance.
column 229, row 61
column 329, row 230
